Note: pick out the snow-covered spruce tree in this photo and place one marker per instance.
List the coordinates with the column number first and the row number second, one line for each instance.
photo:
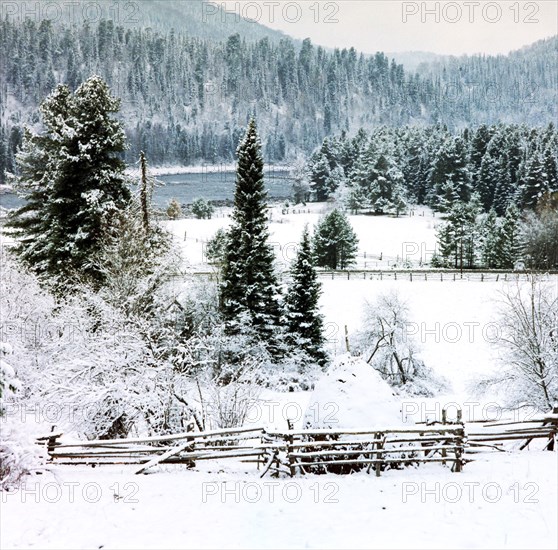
column 489, row 237
column 449, row 163
column 509, row 246
column 381, row 182
column 304, row 324
column 202, row 209
column 321, row 165
column 249, row 293
column 534, row 183
column 72, row 179
column 335, row 242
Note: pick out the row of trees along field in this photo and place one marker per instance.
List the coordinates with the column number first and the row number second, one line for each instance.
column 496, row 185
column 187, row 100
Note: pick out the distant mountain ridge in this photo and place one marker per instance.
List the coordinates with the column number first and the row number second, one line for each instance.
column 187, row 99
column 196, row 18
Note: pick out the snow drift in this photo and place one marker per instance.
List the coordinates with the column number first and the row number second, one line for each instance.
column 352, row 395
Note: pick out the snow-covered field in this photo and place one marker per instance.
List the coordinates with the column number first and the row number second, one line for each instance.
column 501, row 500
column 391, row 238
column 506, row 501
column 454, row 323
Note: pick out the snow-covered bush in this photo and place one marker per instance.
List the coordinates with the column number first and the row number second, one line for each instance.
column 385, row 343
column 216, row 247
column 93, row 363
column 202, row 209
column 174, row 210
column 528, row 343
column 18, row 453
column 9, row 384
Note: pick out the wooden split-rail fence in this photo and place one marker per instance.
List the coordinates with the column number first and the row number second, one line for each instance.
column 294, row 452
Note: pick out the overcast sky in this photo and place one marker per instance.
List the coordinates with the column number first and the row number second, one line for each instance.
column 461, row 27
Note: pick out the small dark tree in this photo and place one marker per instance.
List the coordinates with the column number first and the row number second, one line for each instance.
column 217, row 247
column 202, row 209
column 304, row 324
column 335, row 242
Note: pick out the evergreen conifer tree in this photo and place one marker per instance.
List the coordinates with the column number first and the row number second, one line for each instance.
column 509, row 244
column 249, row 293
column 304, row 324
column 335, row 242
column 489, row 232
column 535, row 182
column 72, row 179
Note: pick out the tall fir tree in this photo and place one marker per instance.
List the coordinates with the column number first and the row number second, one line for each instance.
column 535, row 182
column 72, row 179
column 304, row 324
column 249, row 292
column 489, row 238
column 449, row 163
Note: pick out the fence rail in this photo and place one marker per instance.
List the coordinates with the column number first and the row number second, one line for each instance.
column 293, row 452
column 445, row 275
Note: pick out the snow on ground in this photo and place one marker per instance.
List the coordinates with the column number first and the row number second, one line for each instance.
column 343, row 398
column 451, row 322
column 499, row 501
column 504, row 501
column 391, row 238
column 454, row 323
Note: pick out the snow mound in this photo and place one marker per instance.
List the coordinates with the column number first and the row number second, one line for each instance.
column 352, row 395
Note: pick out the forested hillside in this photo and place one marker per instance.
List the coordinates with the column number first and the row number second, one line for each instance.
column 197, row 18
column 391, row 168
column 186, row 100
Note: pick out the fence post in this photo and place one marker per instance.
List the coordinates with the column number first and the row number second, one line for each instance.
column 459, row 443
column 378, row 468
column 444, row 421
column 554, row 431
column 290, row 449
column 51, row 445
